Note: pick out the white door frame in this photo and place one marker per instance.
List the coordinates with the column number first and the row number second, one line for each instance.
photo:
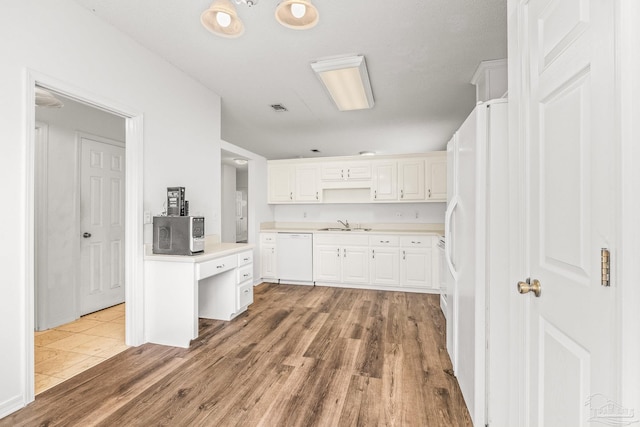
column 625, row 268
column 134, row 245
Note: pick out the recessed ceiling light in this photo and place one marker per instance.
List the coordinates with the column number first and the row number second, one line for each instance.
column 367, row 153
column 240, row 161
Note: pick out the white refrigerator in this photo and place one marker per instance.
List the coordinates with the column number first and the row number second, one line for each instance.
column 476, row 252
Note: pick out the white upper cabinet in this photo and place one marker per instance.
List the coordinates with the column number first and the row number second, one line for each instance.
column 384, row 185
column 291, row 183
column 281, row 181
column 436, row 177
column 387, row 179
column 411, row 179
column 307, row 188
column 346, row 171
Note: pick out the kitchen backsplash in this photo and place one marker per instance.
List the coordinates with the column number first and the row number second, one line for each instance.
column 410, row 213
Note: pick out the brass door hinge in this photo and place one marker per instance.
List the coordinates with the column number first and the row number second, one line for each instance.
column 605, row 267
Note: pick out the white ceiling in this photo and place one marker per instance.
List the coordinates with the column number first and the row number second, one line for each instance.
column 421, row 55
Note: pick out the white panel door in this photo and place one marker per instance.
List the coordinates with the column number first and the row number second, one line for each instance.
column 268, row 262
column 436, row 178
column 572, row 325
column 327, row 263
column 385, row 181
column 355, row 264
column 280, row 180
column 102, row 225
column 385, row 266
column 411, row 179
column 307, row 183
column 417, row 269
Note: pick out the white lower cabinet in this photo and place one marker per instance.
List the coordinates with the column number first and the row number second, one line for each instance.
column 417, row 263
column 340, row 258
column 385, row 260
column 268, row 256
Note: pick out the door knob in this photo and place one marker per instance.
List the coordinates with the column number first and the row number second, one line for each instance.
column 86, row 235
column 526, row 287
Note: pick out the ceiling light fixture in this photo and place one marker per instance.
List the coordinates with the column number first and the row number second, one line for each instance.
column 297, row 14
column 367, row 153
column 347, row 81
column 222, row 19
column 240, row 162
column 44, row 98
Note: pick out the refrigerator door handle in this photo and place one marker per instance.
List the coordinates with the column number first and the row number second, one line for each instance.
column 447, row 235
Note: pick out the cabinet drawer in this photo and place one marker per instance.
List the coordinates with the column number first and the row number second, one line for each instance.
column 245, row 273
column 245, row 295
column 216, row 266
column 383, row 240
column 268, row 237
column 416, row 241
column 245, row 258
column 341, row 238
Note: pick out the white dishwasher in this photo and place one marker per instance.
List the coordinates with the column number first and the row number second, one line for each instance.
column 295, row 257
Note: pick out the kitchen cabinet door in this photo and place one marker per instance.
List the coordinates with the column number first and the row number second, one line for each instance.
column 281, row 182
column 307, row 184
column 327, row 263
column 436, row 178
column 346, row 171
column 385, row 266
column 384, row 184
column 417, row 268
column 355, row 264
column 411, row 179
column 268, row 261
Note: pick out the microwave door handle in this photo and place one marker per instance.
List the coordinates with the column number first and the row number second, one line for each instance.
column 448, row 235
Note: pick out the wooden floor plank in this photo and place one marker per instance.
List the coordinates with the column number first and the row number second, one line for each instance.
column 300, row 356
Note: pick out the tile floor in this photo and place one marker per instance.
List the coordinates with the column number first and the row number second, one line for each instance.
column 65, row 351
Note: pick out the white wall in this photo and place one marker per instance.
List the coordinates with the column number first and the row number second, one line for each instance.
column 56, row 278
column 228, row 208
column 68, row 44
column 432, row 213
column 258, row 211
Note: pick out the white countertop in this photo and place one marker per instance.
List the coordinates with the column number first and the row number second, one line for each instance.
column 212, row 251
column 401, row 229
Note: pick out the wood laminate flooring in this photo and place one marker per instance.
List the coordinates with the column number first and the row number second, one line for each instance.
column 300, row 356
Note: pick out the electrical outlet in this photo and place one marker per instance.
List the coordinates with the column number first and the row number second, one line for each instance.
column 398, row 214
column 417, row 214
column 304, row 214
column 147, row 217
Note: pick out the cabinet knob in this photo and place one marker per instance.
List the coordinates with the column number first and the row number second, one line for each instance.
column 404, row 255
column 402, row 194
column 373, row 253
column 429, row 193
column 375, row 194
column 220, row 266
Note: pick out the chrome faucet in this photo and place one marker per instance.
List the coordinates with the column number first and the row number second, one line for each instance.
column 345, row 223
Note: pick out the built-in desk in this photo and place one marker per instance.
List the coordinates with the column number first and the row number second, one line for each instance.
column 178, row 289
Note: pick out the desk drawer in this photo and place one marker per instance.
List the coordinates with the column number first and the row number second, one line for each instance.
column 245, row 295
column 245, row 273
column 216, row 266
column 245, row 258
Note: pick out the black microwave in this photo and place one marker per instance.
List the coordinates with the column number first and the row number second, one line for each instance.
column 178, row 235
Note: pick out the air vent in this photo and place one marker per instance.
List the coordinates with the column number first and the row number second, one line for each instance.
column 279, row 108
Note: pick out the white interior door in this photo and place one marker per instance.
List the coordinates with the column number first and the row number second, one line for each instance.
column 102, row 208
column 572, row 331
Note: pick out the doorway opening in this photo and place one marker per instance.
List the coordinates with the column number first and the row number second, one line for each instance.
column 235, row 198
column 133, row 209
column 80, row 237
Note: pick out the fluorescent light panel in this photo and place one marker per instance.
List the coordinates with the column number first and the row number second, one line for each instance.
column 347, row 82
